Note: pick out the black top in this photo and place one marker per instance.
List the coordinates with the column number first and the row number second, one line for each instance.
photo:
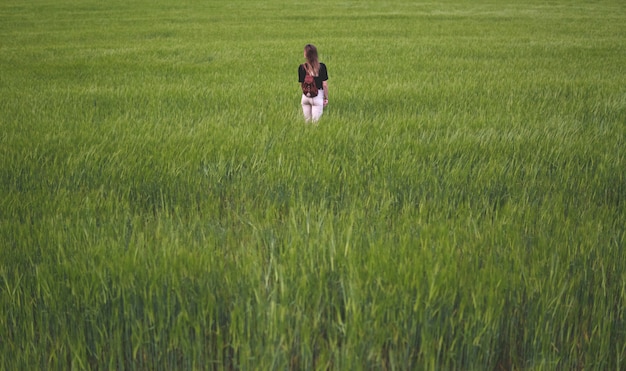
column 321, row 76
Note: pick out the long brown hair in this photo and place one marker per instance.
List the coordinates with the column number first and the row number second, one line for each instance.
column 312, row 65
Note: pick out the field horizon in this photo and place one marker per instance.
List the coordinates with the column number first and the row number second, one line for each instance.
column 460, row 205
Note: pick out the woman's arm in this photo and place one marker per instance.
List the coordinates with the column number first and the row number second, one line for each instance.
column 325, row 87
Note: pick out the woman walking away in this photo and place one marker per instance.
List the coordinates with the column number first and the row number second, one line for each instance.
column 313, row 78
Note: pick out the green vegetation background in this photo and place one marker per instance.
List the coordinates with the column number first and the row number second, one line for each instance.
column 461, row 205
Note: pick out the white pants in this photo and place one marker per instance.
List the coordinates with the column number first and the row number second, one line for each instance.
column 313, row 107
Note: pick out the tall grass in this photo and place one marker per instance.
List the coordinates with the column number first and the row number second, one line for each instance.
column 459, row 206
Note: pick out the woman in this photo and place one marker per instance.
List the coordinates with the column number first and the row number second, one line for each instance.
column 312, row 107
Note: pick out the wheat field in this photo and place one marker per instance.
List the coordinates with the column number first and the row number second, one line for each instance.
column 461, row 204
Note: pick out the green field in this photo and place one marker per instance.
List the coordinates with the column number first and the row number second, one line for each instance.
column 461, row 205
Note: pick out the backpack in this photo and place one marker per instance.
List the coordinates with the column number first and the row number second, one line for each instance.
column 309, row 88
